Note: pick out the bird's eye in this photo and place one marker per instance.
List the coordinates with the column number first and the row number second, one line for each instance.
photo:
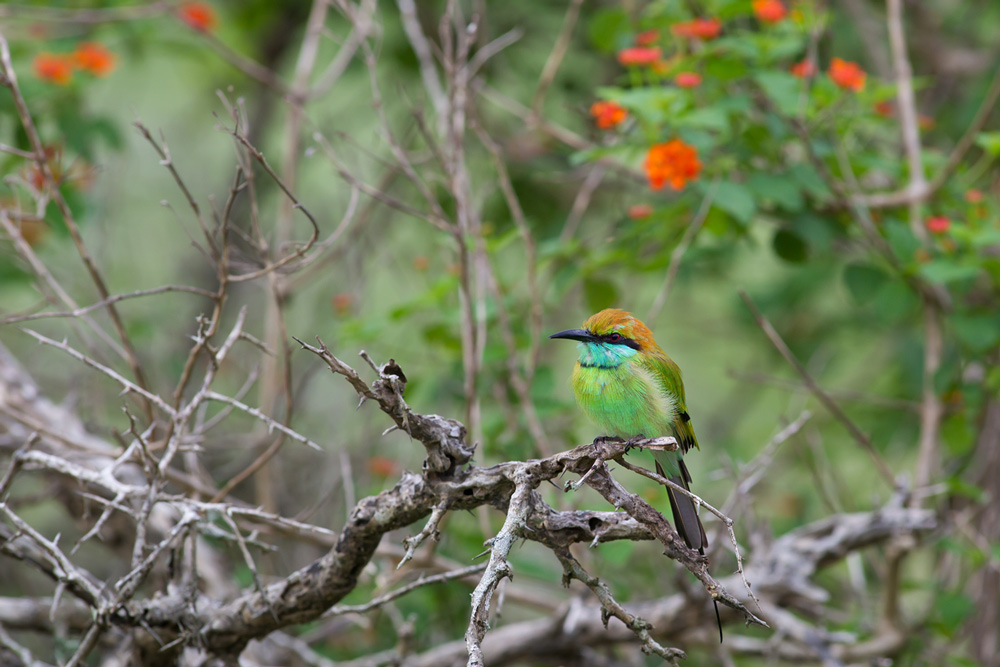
column 614, row 338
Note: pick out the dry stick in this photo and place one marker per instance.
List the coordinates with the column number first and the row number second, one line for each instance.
column 611, row 607
column 530, row 249
column 45, row 276
column 843, row 395
column 821, row 395
column 678, row 252
column 909, row 196
column 339, row 610
column 726, row 521
column 519, row 379
column 931, row 410
column 163, row 150
column 126, row 384
column 428, row 70
column 77, row 312
column 581, row 201
column 430, row 530
column 497, row 569
column 362, row 25
column 555, row 57
column 9, row 79
column 85, row 16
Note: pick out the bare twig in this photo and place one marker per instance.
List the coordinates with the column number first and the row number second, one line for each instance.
column 821, row 395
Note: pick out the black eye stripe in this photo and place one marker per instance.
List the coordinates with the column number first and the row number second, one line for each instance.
column 622, row 340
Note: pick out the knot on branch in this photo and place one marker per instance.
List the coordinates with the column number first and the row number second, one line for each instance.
column 444, row 439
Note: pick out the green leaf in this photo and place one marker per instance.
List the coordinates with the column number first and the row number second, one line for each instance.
column 978, row 332
column 809, row 180
column 599, row 293
column 944, row 271
column 605, row 28
column 777, row 190
column 735, row 199
column 902, row 241
column 782, row 88
column 790, row 247
column 989, row 142
column 863, row 281
column 708, row 118
column 725, row 69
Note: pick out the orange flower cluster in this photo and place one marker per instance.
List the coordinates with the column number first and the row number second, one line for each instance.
column 770, row 11
column 607, row 114
column 58, row 68
column 847, row 75
column 640, row 55
column 198, row 15
column 687, row 80
column 673, row 162
column 698, row 29
column 804, row 69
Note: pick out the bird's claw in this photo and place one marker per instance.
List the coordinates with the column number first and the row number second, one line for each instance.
column 633, row 442
column 602, row 439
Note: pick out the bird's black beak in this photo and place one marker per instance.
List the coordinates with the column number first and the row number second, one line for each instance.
column 574, row 334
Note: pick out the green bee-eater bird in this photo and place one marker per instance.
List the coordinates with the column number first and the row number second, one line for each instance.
column 629, row 387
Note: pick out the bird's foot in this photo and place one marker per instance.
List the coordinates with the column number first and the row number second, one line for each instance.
column 633, row 442
column 602, row 439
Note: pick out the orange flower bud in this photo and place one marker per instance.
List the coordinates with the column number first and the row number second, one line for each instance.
column 54, row 68
column 770, row 11
column 198, row 15
column 804, row 70
column 688, row 79
column 607, row 114
column 698, row 29
column 640, row 55
column 94, row 58
column 640, row 211
column 848, row 75
column 937, row 224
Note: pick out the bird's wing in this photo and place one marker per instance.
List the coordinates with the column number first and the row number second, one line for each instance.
column 668, row 374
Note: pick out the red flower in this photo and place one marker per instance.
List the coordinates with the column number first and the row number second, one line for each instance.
column 380, row 466
column 886, row 109
column 607, row 114
column 94, row 58
column 687, row 79
column 770, row 11
column 640, row 211
column 647, row 38
column 640, row 55
column 937, row 224
column 698, row 29
column 804, row 70
column 198, row 15
column 974, row 196
column 342, row 303
column 847, row 75
column 54, row 68
column 674, row 162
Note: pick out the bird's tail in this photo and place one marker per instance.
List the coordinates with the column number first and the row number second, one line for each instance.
column 686, row 519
